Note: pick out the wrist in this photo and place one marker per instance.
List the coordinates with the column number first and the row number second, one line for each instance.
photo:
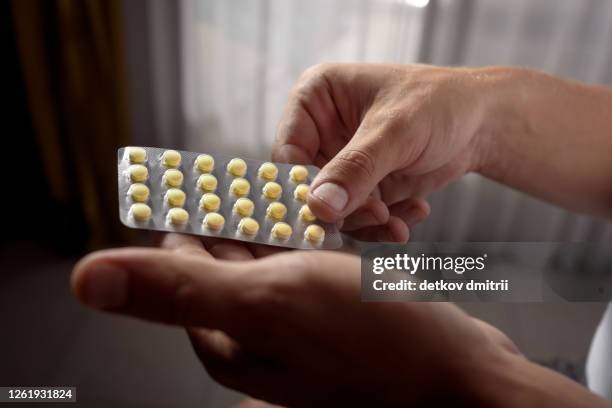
column 504, row 93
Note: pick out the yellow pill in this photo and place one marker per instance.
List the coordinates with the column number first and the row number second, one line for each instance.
column 276, row 211
column 237, row 167
column 213, row 221
column 139, row 192
column 210, row 202
column 138, row 173
column 281, row 231
column 298, row 173
column 268, row 171
column 140, row 211
column 172, row 178
column 177, row 216
column 137, row 155
column 272, row 190
column 240, row 187
column 171, row 158
column 244, row 207
column 306, row 214
column 205, row 163
column 207, row 182
column 248, row 226
column 175, row 197
column 301, row 192
column 314, row 233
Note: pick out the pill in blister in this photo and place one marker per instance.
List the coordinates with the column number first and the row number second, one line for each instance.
column 138, row 192
column 137, row 155
column 244, row 207
column 175, row 197
column 221, row 196
column 240, row 187
column 213, row 221
column 306, row 214
column 140, row 212
column 314, row 233
column 237, row 167
column 281, row 231
column 207, row 182
column 210, row 202
column 276, row 211
column 205, row 163
column 177, row 216
column 171, row 159
column 138, row 173
column 172, row 178
column 268, row 171
column 298, row 173
column 248, row 226
column 272, row 190
column 301, row 192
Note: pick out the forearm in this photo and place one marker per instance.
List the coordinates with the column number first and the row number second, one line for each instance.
column 514, row 381
column 548, row 137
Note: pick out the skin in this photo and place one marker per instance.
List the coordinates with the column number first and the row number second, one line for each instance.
column 289, row 328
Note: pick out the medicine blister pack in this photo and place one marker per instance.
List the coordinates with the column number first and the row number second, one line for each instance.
column 219, row 196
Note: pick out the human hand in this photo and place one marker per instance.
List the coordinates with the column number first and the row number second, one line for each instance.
column 290, row 328
column 385, row 136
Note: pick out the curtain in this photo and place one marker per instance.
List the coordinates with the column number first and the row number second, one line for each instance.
column 71, row 58
column 241, row 57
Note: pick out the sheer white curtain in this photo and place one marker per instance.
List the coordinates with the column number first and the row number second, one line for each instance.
column 241, row 57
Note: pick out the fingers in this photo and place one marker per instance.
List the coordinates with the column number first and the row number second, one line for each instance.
column 160, row 284
column 373, row 212
column 411, row 211
column 395, row 230
column 183, row 243
column 345, row 183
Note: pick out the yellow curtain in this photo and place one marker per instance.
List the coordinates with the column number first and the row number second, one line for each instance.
column 73, row 66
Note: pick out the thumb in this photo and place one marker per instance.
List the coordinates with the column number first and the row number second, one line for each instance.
column 345, row 183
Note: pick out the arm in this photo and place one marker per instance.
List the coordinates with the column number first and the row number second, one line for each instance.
column 549, row 137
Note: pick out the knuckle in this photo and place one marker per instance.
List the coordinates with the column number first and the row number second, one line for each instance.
column 184, row 296
column 357, row 159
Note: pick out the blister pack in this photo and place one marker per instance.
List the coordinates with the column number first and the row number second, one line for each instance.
column 219, row 196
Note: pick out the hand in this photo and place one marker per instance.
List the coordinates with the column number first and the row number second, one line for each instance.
column 290, row 328
column 385, row 136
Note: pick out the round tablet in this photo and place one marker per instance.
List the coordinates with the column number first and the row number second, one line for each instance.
column 139, row 192
column 272, row 190
column 314, row 233
column 298, row 173
column 172, row 178
column 175, row 197
column 207, row 182
column 240, row 187
column 171, row 158
column 281, row 231
column 306, row 214
column 140, row 211
column 248, row 226
column 237, row 167
column 268, row 171
column 210, row 202
column 138, row 173
column 177, row 216
column 276, row 211
column 244, row 207
column 213, row 221
column 301, row 192
column 205, row 163
column 137, row 155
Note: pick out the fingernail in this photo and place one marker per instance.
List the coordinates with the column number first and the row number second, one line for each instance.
column 333, row 195
column 105, row 286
